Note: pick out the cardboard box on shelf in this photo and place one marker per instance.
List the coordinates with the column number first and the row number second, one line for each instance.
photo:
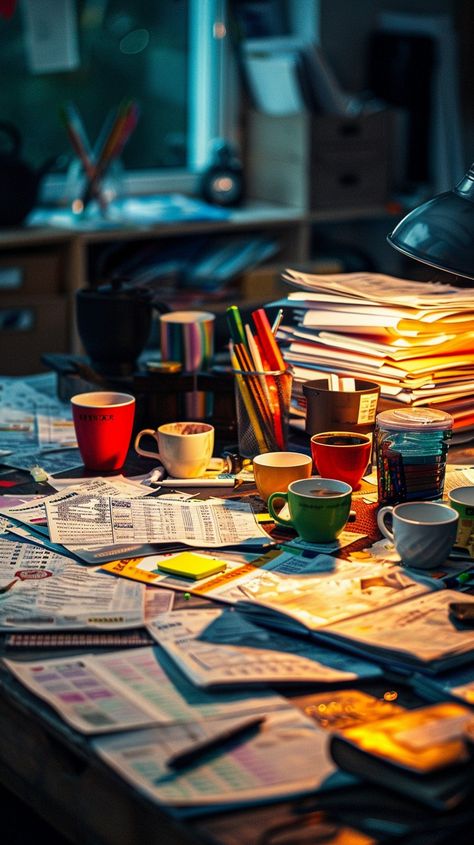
column 320, row 161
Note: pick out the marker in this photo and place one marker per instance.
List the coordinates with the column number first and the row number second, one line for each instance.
column 193, row 752
column 236, row 327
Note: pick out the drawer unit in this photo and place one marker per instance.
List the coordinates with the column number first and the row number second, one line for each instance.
column 38, row 271
column 29, row 327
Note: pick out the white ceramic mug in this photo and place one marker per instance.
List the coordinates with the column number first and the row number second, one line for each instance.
column 184, row 448
column 423, row 532
column 462, row 500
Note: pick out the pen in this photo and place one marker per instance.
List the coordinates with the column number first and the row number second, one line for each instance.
column 195, row 482
column 193, row 752
column 277, row 321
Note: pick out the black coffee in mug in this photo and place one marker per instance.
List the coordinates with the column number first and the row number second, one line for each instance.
column 340, row 439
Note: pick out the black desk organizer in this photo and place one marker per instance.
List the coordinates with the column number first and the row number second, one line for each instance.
column 160, row 396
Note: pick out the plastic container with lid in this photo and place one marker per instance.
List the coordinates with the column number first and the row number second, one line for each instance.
column 411, row 446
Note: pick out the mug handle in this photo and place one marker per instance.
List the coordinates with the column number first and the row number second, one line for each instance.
column 143, row 451
column 271, row 511
column 381, row 521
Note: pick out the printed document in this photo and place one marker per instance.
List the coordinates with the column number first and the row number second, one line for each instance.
column 40, row 589
column 34, row 514
column 309, row 593
column 417, row 633
column 206, row 524
column 118, row 690
column 254, row 769
column 221, row 648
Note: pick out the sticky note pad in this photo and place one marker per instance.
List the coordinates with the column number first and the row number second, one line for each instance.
column 190, row 565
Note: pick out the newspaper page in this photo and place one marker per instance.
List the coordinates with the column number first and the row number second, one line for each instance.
column 217, row 648
column 308, row 593
column 195, row 522
column 417, row 632
column 253, row 769
column 118, row 690
column 40, row 589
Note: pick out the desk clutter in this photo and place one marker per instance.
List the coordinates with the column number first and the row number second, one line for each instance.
column 191, row 703
column 412, row 338
column 196, row 607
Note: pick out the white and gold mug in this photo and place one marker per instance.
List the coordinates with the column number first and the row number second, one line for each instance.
column 184, row 448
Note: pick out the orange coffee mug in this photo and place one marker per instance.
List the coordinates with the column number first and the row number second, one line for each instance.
column 276, row 470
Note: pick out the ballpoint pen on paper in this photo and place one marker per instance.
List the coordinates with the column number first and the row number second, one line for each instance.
column 202, row 481
column 193, row 752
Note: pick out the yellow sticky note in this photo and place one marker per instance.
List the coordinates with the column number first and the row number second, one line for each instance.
column 191, row 565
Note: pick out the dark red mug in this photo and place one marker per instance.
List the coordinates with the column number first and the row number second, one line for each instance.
column 343, row 455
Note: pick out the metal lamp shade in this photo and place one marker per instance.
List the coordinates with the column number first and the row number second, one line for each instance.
column 440, row 232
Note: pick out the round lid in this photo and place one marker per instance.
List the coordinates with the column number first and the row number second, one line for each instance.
column 414, row 419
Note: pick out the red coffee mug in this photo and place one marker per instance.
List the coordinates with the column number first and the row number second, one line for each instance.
column 103, row 421
column 343, row 455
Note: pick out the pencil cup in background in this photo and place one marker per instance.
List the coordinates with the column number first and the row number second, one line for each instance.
column 103, row 421
column 262, row 401
column 104, row 190
column 188, row 337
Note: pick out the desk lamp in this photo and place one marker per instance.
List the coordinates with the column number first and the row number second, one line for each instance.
column 440, row 232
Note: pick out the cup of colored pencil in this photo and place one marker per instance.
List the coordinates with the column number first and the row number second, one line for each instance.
column 97, row 162
column 263, row 384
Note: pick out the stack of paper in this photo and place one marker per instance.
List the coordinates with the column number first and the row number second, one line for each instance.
column 413, row 338
column 414, row 633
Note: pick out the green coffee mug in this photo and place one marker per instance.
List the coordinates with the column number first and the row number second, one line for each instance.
column 319, row 508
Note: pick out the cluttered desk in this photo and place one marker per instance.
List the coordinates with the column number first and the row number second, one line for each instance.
column 265, row 642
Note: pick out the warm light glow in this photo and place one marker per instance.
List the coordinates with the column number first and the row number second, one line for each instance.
column 223, row 183
column 219, row 30
column 77, row 206
column 390, row 695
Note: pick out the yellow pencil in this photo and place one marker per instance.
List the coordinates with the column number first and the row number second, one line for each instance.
column 247, row 400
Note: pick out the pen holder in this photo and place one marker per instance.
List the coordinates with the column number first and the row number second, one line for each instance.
column 83, row 195
column 262, row 401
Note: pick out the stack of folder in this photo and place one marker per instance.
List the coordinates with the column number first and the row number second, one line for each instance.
column 415, row 339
